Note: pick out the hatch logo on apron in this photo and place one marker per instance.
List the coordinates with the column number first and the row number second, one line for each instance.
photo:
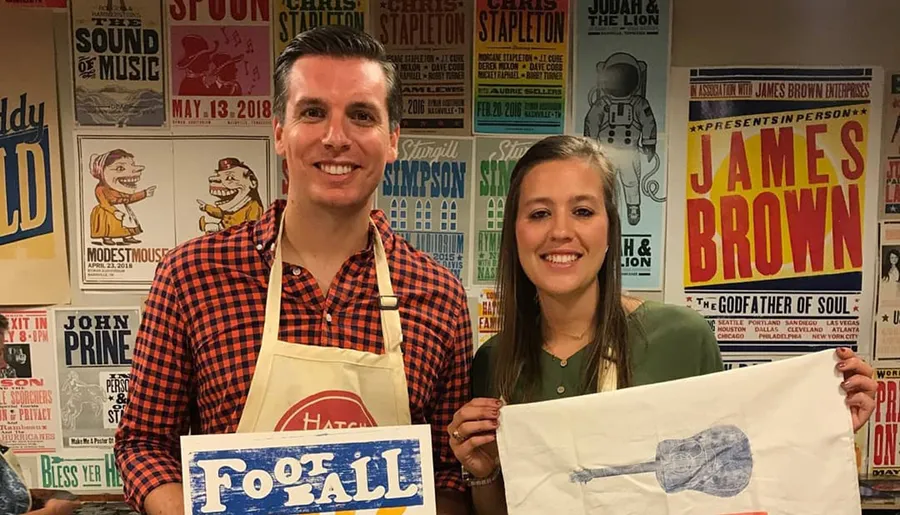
column 331, row 409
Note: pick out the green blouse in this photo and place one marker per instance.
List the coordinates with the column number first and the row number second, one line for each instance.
column 667, row 342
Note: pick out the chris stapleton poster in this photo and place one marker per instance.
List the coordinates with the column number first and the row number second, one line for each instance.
column 620, row 77
column 34, row 267
column 140, row 196
column 117, row 60
column 521, row 59
column 220, row 63
column 772, row 229
column 295, row 16
column 430, row 43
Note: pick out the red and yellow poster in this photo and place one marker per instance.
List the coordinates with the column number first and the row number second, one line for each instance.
column 779, row 167
column 34, row 268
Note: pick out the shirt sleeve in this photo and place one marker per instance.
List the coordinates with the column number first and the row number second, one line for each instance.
column 147, row 442
column 710, row 355
column 447, row 471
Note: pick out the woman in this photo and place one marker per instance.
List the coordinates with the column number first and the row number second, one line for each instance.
column 562, row 310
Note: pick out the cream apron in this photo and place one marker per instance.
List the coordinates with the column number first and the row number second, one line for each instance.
column 310, row 387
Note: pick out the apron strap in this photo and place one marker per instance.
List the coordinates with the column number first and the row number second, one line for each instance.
column 391, row 328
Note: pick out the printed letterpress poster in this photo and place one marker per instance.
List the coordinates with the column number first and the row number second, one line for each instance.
column 220, row 65
column 281, row 178
column 34, row 267
column 117, row 61
column 521, row 60
column 363, row 471
column 93, row 350
column 430, row 44
column 427, row 198
column 883, row 424
column 495, row 157
column 772, row 232
column 79, row 471
column 295, row 16
column 219, row 183
column 891, row 148
column 620, row 77
column 126, row 208
column 29, row 412
column 887, row 311
column 488, row 315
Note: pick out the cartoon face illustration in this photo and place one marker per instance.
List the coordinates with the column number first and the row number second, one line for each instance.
column 235, row 187
column 122, row 174
column 232, row 181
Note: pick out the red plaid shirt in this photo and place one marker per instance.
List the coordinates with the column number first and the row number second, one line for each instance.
column 196, row 349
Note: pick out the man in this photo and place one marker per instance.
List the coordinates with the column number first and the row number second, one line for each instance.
column 222, row 325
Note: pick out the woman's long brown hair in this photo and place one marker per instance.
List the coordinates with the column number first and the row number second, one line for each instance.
column 519, row 342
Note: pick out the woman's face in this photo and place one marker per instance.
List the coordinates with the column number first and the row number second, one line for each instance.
column 894, row 258
column 561, row 226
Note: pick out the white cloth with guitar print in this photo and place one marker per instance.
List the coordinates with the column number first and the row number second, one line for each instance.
column 769, row 439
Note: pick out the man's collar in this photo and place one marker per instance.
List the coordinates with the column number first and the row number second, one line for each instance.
column 266, row 230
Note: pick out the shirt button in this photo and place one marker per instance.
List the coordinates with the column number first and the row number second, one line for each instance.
column 296, row 271
column 259, row 246
column 563, row 363
column 328, row 317
column 561, row 390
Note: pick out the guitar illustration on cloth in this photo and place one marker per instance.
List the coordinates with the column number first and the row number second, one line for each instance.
column 716, row 461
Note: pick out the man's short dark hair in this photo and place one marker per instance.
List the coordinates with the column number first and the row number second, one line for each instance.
column 337, row 41
column 4, row 323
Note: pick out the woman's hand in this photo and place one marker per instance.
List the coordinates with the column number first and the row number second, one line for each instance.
column 472, row 430
column 859, row 385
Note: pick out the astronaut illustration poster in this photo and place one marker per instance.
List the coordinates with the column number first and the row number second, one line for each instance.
column 94, row 349
column 219, row 183
column 520, row 63
column 220, row 63
column 621, row 66
column 141, row 196
column 426, row 195
column 772, row 231
column 495, row 158
column 118, row 63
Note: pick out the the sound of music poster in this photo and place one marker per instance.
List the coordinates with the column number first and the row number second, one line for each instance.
column 772, row 228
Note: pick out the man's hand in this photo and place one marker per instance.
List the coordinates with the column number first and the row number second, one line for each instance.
column 451, row 502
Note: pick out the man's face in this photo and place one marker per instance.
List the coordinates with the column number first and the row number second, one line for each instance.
column 335, row 135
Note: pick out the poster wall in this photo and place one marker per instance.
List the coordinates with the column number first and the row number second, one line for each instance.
column 887, row 311
column 621, row 68
column 890, row 184
column 295, row 16
column 884, row 459
column 220, row 63
column 94, row 349
column 117, row 60
column 773, row 225
column 521, row 61
column 426, row 194
column 141, row 196
column 29, row 412
column 430, row 45
column 79, row 471
column 34, row 267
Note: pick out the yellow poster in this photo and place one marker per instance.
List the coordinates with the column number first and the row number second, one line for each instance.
column 33, row 262
column 295, row 16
